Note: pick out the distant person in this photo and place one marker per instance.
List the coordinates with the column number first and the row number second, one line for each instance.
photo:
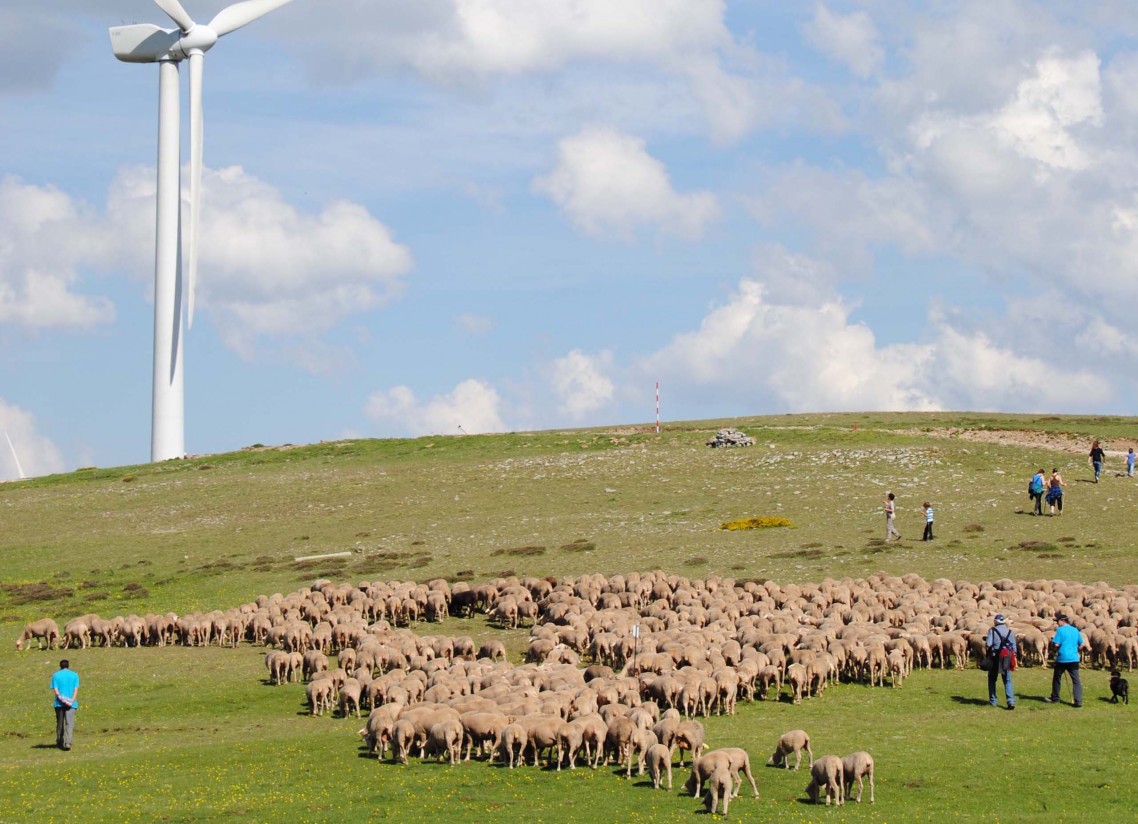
column 65, row 689
column 1055, row 491
column 1001, row 646
column 1035, row 490
column 1068, row 641
column 1130, row 463
column 1097, row 457
column 890, row 517
column 927, row 508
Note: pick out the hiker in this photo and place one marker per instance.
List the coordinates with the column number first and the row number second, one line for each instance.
column 928, row 510
column 1097, row 457
column 1055, row 490
column 890, row 516
column 1130, row 463
column 65, row 689
column 1001, row 646
column 1035, row 490
column 1068, row 642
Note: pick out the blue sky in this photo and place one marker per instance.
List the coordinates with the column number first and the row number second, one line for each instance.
column 521, row 214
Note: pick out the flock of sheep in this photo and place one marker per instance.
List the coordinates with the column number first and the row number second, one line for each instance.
column 620, row 668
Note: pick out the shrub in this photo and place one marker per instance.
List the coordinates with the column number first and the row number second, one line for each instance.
column 765, row 522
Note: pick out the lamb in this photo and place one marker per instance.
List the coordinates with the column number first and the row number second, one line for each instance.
column 827, row 774
column 854, row 767
column 793, row 742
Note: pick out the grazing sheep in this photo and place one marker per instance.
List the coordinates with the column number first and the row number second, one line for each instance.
column 659, row 761
column 827, row 774
column 736, row 761
column 793, row 742
column 319, row 694
column 513, row 740
column 45, row 631
column 718, row 787
column 690, row 736
column 854, row 767
column 444, row 739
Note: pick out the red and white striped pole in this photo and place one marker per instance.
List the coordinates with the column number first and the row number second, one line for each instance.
column 657, row 407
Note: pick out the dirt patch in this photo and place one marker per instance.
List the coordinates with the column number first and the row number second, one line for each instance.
column 1027, row 438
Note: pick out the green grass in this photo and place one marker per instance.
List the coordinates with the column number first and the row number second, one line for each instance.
column 181, row 735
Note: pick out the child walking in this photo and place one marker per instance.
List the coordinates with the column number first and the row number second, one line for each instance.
column 928, row 508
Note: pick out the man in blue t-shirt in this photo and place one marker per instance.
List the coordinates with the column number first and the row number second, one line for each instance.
column 1067, row 641
column 65, row 688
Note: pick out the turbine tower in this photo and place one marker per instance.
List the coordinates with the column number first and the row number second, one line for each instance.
column 146, row 43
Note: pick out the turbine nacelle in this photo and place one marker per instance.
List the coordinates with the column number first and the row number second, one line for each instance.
column 146, row 43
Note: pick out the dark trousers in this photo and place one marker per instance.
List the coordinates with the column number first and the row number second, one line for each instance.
column 1037, row 497
column 1076, row 682
column 928, row 531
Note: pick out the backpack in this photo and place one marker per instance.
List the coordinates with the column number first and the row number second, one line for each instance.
column 1004, row 656
column 1034, row 486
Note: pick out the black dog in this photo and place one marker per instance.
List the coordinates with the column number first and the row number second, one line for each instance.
column 1119, row 688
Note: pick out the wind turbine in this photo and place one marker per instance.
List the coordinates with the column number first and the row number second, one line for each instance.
column 146, row 43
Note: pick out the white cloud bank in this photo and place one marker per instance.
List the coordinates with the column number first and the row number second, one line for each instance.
column 581, row 383
column 266, row 268
column 850, row 39
column 608, row 185
column 44, row 238
column 473, row 407
column 799, row 356
column 30, row 451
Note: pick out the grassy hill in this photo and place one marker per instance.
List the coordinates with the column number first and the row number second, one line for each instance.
column 191, row 734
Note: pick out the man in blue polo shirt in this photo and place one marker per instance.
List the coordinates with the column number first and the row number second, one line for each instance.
column 1068, row 641
column 65, row 688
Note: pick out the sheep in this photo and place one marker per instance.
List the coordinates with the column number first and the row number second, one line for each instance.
column 319, row 694
column 854, row 767
column 734, row 759
column 445, row 740
column 658, row 759
column 45, row 631
column 718, row 787
column 513, row 740
column 827, row 774
column 690, row 736
column 794, row 742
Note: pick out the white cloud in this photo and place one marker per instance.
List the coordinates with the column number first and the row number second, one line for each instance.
column 581, row 384
column 265, row 267
column 1062, row 93
column 473, row 324
column 473, row 406
column 44, row 237
column 851, row 39
column 754, row 353
column 33, row 46
column 608, row 184
column 451, row 40
column 34, row 453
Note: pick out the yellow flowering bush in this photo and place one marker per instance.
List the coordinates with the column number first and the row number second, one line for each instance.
column 765, row 522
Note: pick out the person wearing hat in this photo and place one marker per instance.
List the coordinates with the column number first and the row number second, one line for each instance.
column 1067, row 641
column 1001, row 645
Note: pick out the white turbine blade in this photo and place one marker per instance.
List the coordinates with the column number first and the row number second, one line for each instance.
column 176, row 13
column 196, row 64
column 234, row 17
column 15, row 457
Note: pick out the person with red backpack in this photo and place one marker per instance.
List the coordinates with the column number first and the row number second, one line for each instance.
column 1001, row 647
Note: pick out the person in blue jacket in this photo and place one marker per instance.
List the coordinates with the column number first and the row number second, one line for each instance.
column 65, row 689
